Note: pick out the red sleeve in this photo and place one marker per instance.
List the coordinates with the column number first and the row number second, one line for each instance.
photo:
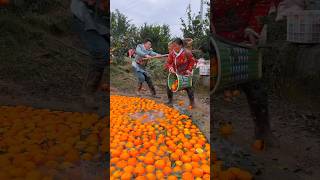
column 260, row 9
column 169, row 63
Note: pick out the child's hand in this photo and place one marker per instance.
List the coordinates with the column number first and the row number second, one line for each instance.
column 171, row 70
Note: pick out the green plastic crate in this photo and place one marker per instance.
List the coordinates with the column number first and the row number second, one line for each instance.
column 237, row 64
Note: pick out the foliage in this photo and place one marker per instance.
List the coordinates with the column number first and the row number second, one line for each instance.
column 125, row 35
column 193, row 28
column 159, row 34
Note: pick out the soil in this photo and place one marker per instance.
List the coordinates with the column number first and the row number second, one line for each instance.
column 295, row 125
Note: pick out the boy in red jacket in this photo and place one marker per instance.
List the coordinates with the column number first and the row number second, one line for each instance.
column 239, row 21
column 180, row 61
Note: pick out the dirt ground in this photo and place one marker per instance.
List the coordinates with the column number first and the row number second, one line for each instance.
column 296, row 126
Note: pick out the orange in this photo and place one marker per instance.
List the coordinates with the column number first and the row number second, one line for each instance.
column 141, row 178
column 132, row 161
column 148, row 160
column 128, row 169
column 153, row 149
column 139, row 170
column 195, row 158
column 174, row 156
column 172, row 177
column 126, row 176
column 205, row 168
column 187, row 176
column 124, row 155
column 195, row 164
column 185, row 159
column 151, row 176
column 187, row 167
column 177, row 169
column 150, row 168
column 167, row 170
column 121, row 164
column 114, row 160
column 159, row 174
column 197, row 172
column 160, row 164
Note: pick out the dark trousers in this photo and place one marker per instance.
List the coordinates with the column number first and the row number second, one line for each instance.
column 189, row 92
column 98, row 46
column 258, row 102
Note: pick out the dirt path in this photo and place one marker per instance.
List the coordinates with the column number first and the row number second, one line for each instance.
column 296, row 127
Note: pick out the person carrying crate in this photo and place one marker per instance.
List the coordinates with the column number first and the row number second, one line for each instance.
column 139, row 65
column 181, row 62
column 239, row 22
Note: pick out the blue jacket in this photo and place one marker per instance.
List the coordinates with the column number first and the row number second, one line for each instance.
column 141, row 52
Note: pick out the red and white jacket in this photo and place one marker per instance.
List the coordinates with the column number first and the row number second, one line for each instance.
column 181, row 62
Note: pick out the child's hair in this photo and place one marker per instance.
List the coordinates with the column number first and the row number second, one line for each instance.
column 179, row 42
column 147, row 40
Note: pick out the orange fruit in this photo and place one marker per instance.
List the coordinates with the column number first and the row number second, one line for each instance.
column 197, row 172
column 121, row 164
column 174, row 156
column 159, row 174
column 114, row 160
column 205, row 168
column 151, row 176
column 125, row 155
column 187, row 167
column 128, row 169
column 185, row 159
column 167, row 170
column 126, row 176
column 148, row 160
column 141, row 178
column 177, row 169
column 187, row 176
column 139, row 170
column 195, row 158
column 132, row 161
column 153, row 149
column 195, row 164
column 160, row 164
column 172, row 177
column 150, row 168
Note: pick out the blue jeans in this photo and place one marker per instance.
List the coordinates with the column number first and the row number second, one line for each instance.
column 144, row 77
column 98, row 47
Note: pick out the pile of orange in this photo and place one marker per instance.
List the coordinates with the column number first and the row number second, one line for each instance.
column 219, row 173
column 168, row 147
column 39, row 143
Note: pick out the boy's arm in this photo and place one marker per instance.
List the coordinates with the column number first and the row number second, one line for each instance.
column 139, row 51
column 152, row 53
